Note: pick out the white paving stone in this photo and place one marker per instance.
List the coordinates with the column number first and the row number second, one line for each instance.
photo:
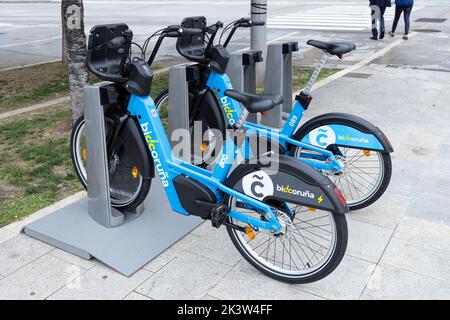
column 421, row 231
column 171, row 253
column 367, row 241
column 38, row 279
column 19, row 251
column 389, row 282
column 188, row 276
column 202, row 229
column 244, row 282
column 217, row 245
column 73, row 259
column 346, row 282
column 101, row 283
column 424, row 260
column 210, row 297
column 5, row 234
column 136, row 296
column 387, row 212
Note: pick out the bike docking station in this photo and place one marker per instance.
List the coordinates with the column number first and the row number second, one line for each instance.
column 91, row 228
column 278, row 78
column 127, row 241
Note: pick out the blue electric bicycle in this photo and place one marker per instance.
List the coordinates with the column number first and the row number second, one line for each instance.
column 354, row 153
column 282, row 215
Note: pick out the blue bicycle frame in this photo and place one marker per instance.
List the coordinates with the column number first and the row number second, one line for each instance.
column 219, row 83
column 168, row 167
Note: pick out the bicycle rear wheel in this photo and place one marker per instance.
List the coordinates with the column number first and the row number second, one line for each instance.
column 365, row 176
column 311, row 246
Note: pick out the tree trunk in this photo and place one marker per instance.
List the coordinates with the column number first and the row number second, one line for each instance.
column 63, row 40
column 75, row 39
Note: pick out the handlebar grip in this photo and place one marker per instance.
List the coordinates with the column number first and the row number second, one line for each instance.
column 258, row 23
column 191, row 31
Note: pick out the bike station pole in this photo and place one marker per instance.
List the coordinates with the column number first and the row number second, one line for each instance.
column 179, row 77
column 278, row 80
column 258, row 34
column 99, row 202
column 242, row 72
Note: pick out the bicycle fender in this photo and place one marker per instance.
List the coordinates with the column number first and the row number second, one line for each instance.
column 211, row 110
column 131, row 136
column 287, row 179
column 344, row 130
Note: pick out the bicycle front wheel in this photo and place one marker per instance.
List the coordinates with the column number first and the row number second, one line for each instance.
column 128, row 185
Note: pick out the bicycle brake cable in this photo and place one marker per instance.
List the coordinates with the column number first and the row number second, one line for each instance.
column 147, row 41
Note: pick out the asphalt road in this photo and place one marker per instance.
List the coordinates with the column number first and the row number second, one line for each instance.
column 31, row 32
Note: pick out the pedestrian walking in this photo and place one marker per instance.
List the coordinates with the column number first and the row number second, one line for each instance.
column 404, row 6
column 378, row 8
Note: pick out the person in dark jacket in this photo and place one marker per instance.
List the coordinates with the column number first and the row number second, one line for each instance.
column 404, row 6
column 378, row 8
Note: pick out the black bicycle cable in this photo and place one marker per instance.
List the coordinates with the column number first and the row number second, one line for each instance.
column 227, row 27
column 147, row 41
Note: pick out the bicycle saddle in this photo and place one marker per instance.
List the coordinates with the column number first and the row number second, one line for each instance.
column 335, row 48
column 255, row 102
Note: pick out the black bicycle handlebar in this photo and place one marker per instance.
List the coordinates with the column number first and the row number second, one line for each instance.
column 242, row 23
column 173, row 31
column 176, row 31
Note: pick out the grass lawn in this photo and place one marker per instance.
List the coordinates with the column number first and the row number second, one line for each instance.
column 301, row 75
column 35, row 163
column 25, row 86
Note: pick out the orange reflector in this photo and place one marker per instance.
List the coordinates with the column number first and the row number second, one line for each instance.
column 366, row 153
column 249, row 232
column 135, row 172
column 84, row 154
column 312, row 209
column 203, row 147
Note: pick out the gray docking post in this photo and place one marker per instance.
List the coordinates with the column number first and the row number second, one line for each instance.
column 278, row 80
column 242, row 72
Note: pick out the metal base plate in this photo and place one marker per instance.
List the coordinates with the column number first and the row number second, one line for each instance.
column 125, row 248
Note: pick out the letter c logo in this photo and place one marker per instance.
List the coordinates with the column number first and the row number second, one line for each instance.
column 258, row 185
column 322, row 136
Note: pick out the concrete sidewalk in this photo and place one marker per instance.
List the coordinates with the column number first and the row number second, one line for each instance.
column 399, row 248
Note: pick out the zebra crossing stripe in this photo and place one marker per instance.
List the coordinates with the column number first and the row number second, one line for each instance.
column 316, row 24
column 339, row 18
column 308, row 27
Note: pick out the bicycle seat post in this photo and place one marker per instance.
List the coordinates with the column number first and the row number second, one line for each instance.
column 307, row 90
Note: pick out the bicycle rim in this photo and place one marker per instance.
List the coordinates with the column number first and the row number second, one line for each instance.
column 306, row 248
column 125, row 182
column 362, row 175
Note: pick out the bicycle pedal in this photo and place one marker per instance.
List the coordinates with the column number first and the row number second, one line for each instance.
column 219, row 215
